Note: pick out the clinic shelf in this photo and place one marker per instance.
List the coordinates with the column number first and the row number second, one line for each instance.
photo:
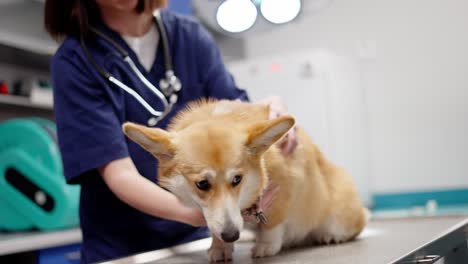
column 22, row 101
column 27, row 43
column 23, row 27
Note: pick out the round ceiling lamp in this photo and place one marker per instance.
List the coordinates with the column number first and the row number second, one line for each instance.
column 236, row 16
column 280, row 11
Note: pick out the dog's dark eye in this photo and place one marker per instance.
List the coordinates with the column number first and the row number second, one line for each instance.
column 236, row 180
column 203, row 185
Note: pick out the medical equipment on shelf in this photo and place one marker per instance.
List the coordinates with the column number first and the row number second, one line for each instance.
column 40, row 91
column 3, row 88
column 33, row 191
column 170, row 85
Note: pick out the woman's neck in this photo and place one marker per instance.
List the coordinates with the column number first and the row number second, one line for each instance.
column 128, row 23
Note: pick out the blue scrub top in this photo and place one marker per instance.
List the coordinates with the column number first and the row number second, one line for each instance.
column 89, row 113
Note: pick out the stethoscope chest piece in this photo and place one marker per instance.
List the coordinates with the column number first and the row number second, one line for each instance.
column 170, row 84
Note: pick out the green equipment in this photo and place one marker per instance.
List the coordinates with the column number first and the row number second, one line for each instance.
column 33, row 190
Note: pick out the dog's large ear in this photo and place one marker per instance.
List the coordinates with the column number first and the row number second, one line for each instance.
column 264, row 134
column 154, row 140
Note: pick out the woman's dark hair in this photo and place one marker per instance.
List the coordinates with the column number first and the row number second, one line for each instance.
column 64, row 18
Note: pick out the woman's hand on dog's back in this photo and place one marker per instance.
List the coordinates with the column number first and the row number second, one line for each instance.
column 278, row 108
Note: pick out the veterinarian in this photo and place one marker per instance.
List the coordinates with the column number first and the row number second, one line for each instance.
column 122, row 210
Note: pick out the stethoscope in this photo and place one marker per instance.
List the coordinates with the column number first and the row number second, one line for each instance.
column 169, row 86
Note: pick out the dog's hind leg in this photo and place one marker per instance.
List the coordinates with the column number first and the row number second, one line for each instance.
column 268, row 242
column 339, row 229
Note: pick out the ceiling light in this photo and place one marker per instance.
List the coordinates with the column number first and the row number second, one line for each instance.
column 236, row 15
column 280, row 11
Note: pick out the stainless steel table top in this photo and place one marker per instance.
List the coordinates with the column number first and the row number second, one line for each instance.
column 383, row 241
column 17, row 242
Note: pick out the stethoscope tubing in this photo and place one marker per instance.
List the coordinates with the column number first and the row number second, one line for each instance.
column 168, row 102
column 146, row 82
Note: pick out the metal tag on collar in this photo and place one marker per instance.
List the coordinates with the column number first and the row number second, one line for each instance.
column 261, row 217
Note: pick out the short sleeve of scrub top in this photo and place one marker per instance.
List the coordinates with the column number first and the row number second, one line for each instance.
column 217, row 79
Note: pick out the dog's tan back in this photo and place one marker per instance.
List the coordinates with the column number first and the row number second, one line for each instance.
column 317, row 201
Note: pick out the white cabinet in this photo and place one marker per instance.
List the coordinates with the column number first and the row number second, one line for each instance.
column 324, row 92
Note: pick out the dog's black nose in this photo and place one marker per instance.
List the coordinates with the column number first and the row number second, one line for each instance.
column 230, row 236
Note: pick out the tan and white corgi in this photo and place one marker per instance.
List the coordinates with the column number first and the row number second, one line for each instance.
column 220, row 155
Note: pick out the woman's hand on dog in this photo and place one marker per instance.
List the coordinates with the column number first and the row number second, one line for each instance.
column 278, row 108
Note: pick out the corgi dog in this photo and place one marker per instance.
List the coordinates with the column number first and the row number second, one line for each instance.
column 220, row 155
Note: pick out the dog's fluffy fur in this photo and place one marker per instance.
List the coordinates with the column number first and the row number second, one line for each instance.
column 212, row 144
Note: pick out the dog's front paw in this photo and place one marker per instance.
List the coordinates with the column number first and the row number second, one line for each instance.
column 221, row 253
column 262, row 249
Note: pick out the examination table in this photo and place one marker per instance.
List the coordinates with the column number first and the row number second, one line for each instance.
column 437, row 239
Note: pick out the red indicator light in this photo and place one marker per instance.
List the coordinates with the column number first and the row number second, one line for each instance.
column 275, row 67
column 3, row 88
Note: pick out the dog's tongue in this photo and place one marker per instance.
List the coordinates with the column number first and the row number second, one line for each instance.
column 249, row 214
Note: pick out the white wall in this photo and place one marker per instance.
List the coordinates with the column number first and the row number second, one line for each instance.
column 413, row 60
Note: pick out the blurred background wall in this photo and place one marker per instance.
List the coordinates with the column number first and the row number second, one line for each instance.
column 411, row 61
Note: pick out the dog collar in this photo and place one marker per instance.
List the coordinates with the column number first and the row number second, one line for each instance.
column 256, row 211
